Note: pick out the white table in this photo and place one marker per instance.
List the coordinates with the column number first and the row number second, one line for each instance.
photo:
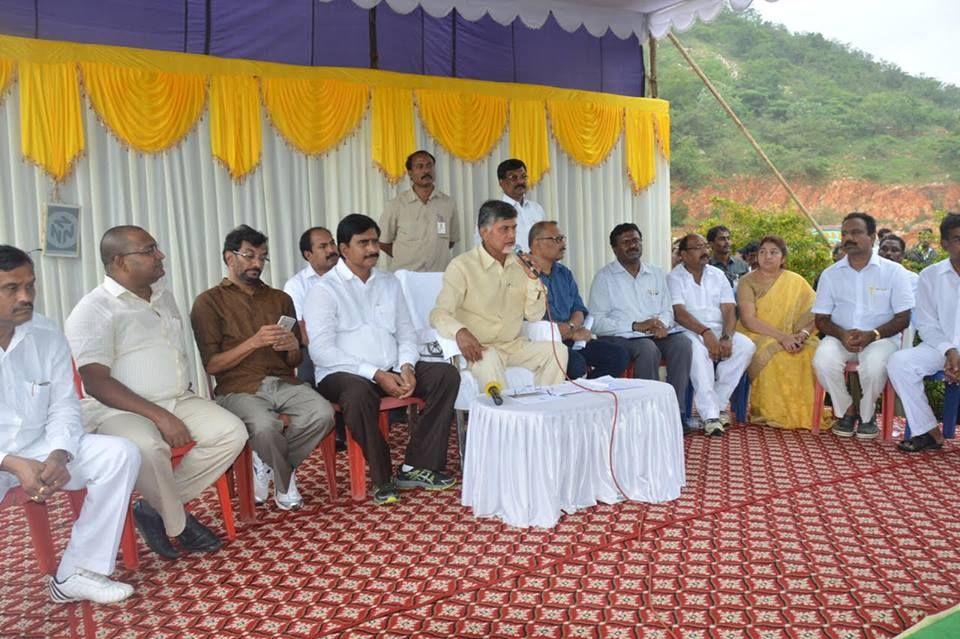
column 528, row 463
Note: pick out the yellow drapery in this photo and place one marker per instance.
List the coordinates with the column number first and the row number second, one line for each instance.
column 468, row 125
column 148, row 110
column 6, row 76
column 393, row 135
column 639, row 148
column 662, row 122
column 314, row 115
column 235, row 123
column 587, row 131
column 528, row 137
column 51, row 124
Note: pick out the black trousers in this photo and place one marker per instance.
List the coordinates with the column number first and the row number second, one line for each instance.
column 359, row 400
column 646, row 353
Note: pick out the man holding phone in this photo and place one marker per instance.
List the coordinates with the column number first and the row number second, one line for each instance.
column 250, row 342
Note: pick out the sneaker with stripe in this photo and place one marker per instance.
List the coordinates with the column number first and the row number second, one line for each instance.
column 87, row 585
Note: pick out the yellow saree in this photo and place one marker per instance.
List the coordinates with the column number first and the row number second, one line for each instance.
column 781, row 383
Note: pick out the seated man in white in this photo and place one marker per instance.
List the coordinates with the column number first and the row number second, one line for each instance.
column 703, row 304
column 487, row 294
column 863, row 303
column 937, row 320
column 43, row 447
column 129, row 342
column 364, row 346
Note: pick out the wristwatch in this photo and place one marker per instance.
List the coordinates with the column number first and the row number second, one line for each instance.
column 876, row 335
column 724, row 337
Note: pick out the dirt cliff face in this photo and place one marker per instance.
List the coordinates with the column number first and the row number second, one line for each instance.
column 903, row 208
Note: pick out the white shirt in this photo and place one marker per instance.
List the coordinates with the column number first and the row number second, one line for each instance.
column 299, row 285
column 142, row 343
column 39, row 409
column 702, row 300
column 358, row 327
column 937, row 314
column 863, row 299
column 618, row 299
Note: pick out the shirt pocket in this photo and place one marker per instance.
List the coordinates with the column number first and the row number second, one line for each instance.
column 385, row 315
column 34, row 402
column 878, row 298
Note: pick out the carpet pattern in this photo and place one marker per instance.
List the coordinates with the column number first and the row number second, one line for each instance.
column 777, row 534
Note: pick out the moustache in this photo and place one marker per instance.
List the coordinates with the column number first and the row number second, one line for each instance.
column 372, row 256
column 23, row 307
column 846, row 244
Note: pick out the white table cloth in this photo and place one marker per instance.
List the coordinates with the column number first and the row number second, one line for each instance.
column 528, row 463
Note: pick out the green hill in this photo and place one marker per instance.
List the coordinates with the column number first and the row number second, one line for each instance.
column 820, row 109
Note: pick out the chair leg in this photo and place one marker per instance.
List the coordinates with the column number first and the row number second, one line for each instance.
column 887, row 406
column 461, row 434
column 358, row 469
column 328, row 448
column 819, row 396
column 951, row 410
column 128, row 542
column 243, row 471
column 39, row 522
column 226, row 506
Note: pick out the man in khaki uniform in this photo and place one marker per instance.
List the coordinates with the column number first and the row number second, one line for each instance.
column 487, row 293
column 420, row 225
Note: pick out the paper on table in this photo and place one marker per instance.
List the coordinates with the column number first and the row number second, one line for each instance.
column 564, row 389
column 535, row 398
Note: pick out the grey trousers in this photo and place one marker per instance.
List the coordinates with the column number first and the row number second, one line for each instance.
column 282, row 449
column 647, row 352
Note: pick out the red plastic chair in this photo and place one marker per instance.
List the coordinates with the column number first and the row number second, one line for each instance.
column 38, row 521
column 355, row 458
column 887, row 401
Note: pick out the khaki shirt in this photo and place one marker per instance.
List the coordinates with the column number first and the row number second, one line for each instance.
column 488, row 299
column 414, row 229
column 224, row 316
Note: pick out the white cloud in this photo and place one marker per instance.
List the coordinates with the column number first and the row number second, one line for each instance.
column 919, row 36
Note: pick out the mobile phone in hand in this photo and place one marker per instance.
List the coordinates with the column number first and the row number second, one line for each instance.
column 286, row 322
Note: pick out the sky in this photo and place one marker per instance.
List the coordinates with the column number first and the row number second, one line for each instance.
column 919, row 36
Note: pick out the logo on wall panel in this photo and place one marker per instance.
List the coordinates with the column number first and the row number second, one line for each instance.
column 62, row 231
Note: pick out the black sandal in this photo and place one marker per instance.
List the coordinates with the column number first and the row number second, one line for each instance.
column 919, row 442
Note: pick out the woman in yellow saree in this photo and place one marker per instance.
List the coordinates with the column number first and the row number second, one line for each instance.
column 775, row 312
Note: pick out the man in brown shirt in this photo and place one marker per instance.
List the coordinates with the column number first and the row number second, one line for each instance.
column 253, row 359
column 420, row 225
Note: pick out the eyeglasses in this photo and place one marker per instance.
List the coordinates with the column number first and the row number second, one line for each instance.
column 696, row 247
column 253, row 257
column 558, row 239
column 153, row 249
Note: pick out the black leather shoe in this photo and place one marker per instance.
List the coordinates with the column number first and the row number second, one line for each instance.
column 150, row 525
column 198, row 538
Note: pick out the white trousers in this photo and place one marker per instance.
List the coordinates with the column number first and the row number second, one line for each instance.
column 906, row 370
column 829, row 362
column 712, row 387
column 107, row 467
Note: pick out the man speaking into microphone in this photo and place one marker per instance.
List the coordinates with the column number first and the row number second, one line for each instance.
column 487, row 293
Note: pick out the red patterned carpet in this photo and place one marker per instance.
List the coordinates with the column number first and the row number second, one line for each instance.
column 778, row 534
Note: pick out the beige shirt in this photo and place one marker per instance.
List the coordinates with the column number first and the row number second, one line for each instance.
column 142, row 343
column 421, row 234
column 488, row 299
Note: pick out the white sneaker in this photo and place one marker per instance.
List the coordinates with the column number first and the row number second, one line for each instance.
column 725, row 418
column 84, row 584
column 290, row 500
column 262, row 474
column 713, row 427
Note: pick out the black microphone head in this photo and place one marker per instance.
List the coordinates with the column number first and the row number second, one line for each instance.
column 517, row 250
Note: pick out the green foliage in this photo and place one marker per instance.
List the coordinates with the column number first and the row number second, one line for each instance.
column 807, row 255
column 820, row 109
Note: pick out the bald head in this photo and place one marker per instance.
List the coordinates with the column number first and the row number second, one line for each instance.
column 116, row 242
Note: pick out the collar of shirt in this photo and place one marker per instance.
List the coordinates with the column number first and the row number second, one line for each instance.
column 410, row 196
column 20, row 333
column 945, row 268
column 517, row 205
column 620, row 268
column 346, row 274
column 307, row 273
column 230, row 284
column 117, row 289
column 874, row 261
column 487, row 261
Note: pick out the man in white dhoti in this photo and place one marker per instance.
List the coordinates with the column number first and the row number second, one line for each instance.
column 43, row 447
column 937, row 318
column 863, row 304
column 704, row 305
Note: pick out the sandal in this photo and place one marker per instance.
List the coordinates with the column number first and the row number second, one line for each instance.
column 919, row 442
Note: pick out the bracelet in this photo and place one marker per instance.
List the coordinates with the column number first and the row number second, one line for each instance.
column 703, row 332
column 805, row 332
column 876, row 334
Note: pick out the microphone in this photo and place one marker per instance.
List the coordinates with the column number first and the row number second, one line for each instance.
column 493, row 390
column 520, row 256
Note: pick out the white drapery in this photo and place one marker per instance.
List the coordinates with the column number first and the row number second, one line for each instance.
column 189, row 203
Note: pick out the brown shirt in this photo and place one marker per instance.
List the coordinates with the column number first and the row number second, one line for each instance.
column 224, row 316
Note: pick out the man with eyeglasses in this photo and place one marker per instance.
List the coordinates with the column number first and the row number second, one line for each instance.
column 593, row 358
column 704, row 305
column 253, row 359
column 130, row 348
column 420, row 225
column 631, row 307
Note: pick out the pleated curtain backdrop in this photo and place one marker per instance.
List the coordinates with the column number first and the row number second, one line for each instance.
column 188, row 201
